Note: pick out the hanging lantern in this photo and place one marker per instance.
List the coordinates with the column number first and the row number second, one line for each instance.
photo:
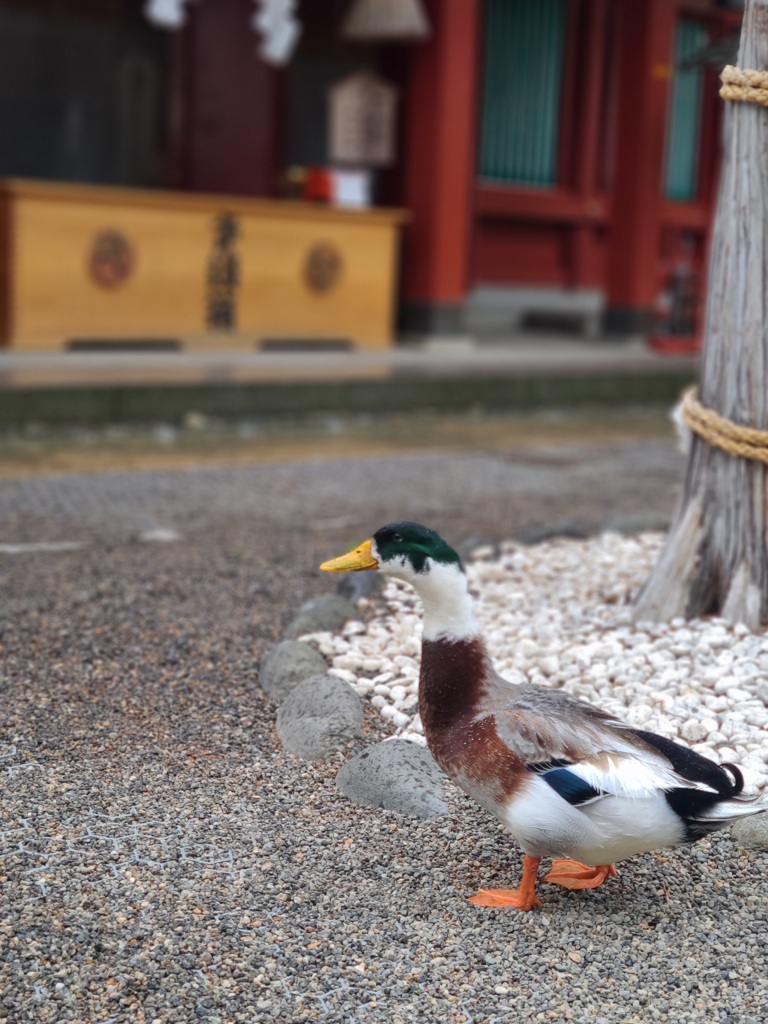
column 386, row 21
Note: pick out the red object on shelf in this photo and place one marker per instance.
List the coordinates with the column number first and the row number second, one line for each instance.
column 317, row 185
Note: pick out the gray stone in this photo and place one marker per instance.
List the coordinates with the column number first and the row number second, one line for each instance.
column 354, row 585
column 752, row 832
column 398, row 775
column 329, row 611
column 286, row 665
column 318, row 717
column 466, row 547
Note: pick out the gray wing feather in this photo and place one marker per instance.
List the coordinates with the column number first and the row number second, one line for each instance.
column 541, row 725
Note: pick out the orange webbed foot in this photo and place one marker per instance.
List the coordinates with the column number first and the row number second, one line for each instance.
column 524, row 898
column 573, row 875
column 506, row 898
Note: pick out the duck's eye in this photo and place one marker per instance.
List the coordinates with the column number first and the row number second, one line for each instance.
column 397, row 538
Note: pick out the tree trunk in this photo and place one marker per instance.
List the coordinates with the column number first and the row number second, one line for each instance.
column 715, row 559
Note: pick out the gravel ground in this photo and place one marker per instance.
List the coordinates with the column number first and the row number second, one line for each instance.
column 163, row 860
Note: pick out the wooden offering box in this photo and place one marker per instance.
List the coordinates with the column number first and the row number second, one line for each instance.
column 84, row 266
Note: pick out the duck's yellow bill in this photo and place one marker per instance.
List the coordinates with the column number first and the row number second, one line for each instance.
column 360, row 558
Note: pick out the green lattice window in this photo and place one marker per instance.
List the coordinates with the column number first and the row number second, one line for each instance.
column 524, row 44
column 684, row 125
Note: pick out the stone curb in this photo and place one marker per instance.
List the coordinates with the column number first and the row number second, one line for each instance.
column 395, row 774
column 319, row 717
column 751, row 833
column 286, row 665
column 319, row 714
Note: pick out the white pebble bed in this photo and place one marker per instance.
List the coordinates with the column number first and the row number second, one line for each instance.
column 560, row 614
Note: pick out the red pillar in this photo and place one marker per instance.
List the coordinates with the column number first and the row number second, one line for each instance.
column 645, row 55
column 585, row 265
column 439, row 157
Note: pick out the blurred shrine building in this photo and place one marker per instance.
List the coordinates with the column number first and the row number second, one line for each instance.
column 530, row 162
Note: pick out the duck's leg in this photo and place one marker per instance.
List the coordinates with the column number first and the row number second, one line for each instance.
column 573, row 875
column 523, row 898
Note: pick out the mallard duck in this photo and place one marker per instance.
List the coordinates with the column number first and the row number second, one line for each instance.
column 569, row 781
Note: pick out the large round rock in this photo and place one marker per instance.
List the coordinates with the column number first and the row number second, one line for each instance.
column 318, row 717
column 398, row 775
column 286, row 665
column 752, row 832
column 329, row 611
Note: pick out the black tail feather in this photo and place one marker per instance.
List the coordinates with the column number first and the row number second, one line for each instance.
column 695, row 806
column 738, row 777
column 726, row 780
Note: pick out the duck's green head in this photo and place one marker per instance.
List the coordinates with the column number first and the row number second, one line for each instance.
column 400, row 549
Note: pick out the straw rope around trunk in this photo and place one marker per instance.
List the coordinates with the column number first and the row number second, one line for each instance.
column 742, row 84
column 745, row 442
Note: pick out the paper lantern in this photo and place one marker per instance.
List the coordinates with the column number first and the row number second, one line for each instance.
column 386, row 21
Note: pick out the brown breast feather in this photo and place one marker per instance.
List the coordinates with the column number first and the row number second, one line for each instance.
column 463, row 738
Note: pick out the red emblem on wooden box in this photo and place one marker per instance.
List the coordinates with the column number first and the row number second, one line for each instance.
column 112, row 259
column 323, row 267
